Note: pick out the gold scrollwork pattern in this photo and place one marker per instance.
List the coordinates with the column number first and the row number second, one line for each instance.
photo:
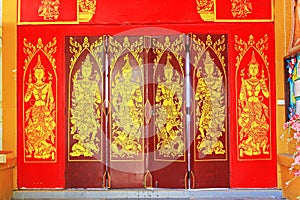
column 241, row 8
column 127, row 98
column 170, row 141
column 206, row 9
column 253, row 98
column 87, row 9
column 39, row 104
column 210, row 111
column 86, row 101
column 49, row 9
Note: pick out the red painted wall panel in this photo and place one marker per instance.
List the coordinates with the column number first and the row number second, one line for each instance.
column 254, row 172
column 41, row 116
column 252, row 113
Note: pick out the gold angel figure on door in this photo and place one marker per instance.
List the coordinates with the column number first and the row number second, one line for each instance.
column 127, row 113
column 40, row 116
column 85, row 110
column 253, row 112
column 168, row 99
column 210, row 96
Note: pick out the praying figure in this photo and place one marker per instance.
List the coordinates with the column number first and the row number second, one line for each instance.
column 127, row 112
column 210, row 97
column 86, row 111
column 253, row 112
column 168, row 102
column 40, row 116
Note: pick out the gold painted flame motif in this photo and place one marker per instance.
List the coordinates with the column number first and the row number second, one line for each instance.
column 127, row 112
column 49, row 9
column 168, row 102
column 210, row 96
column 85, row 111
column 241, row 8
column 40, row 116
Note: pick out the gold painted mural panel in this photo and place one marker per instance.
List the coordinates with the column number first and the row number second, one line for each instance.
column 253, row 98
column 86, row 99
column 168, row 74
column 39, row 87
column 210, row 91
column 126, row 98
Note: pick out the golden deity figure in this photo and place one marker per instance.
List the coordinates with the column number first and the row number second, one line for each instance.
column 49, row 9
column 241, row 8
column 127, row 112
column 85, row 111
column 211, row 108
column 253, row 112
column 168, row 102
column 40, row 116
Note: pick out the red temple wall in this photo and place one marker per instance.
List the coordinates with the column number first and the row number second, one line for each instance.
column 145, row 19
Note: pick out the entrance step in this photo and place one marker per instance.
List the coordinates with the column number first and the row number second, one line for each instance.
column 149, row 194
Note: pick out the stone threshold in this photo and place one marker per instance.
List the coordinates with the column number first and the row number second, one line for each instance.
column 146, row 193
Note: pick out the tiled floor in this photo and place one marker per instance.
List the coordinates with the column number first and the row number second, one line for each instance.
column 218, row 194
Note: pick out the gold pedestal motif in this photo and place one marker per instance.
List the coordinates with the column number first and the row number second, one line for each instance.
column 87, row 9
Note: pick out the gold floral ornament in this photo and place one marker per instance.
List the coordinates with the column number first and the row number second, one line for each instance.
column 253, row 99
column 39, row 103
column 206, row 9
column 87, row 9
column 86, row 101
column 210, row 96
column 49, row 9
column 241, row 8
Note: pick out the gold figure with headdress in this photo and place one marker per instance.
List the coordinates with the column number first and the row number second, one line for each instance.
column 127, row 112
column 168, row 102
column 85, row 111
column 40, row 116
column 253, row 112
column 210, row 97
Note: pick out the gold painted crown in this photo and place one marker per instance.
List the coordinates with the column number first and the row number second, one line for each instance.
column 168, row 64
column 87, row 62
column 253, row 59
column 39, row 64
column 127, row 67
column 208, row 59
